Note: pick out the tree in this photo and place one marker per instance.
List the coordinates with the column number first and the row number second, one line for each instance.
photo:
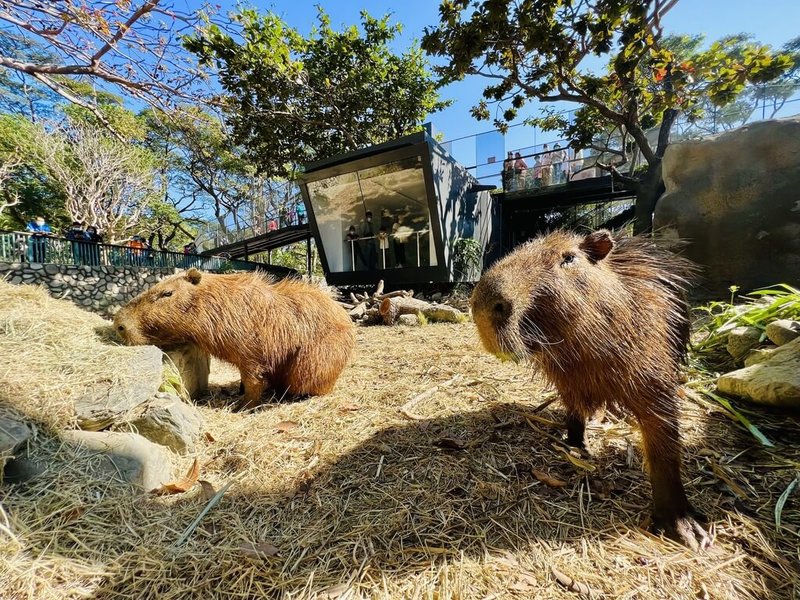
column 104, row 182
column 293, row 99
column 539, row 50
column 128, row 45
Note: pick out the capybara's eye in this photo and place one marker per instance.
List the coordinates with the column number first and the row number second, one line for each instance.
column 567, row 259
column 165, row 294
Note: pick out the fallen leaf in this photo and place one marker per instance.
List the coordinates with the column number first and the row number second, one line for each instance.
column 209, row 438
column 450, row 444
column 208, row 490
column 260, row 550
column 349, row 407
column 74, row 513
column 579, row 462
column 570, row 584
column 179, row 487
column 548, row 480
column 525, row 583
column 285, row 426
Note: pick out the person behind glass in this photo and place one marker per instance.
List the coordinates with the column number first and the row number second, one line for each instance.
column 547, row 169
column 399, row 243
column 558, row 163
column 40, row 230
column 356, row 256
column 520, row 169
column 537, row 171
column 508, row 170
column 78, row 238
column 369, row 247
column 93, row 247
column 189, row 251
column 301, row 213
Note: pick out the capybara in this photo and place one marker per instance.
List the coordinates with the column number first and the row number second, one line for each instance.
column 606, row 320
column 287, row 335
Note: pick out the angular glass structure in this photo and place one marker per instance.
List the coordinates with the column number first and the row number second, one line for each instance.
column 397, row 211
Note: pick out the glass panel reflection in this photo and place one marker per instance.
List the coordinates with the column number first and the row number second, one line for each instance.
column 375, row 218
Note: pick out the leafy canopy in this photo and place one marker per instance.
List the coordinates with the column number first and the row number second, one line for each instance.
column 293, row 99
column 539, row 50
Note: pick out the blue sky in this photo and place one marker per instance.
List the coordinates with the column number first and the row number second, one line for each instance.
column 771, row 21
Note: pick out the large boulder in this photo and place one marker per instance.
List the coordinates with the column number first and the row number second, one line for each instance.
column 136, row 379
column 775, row 381
column 14, row 433
column 734, row 199
column 171, row 422
column 127, row 457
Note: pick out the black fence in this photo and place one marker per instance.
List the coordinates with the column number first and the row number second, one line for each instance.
column 18, row 246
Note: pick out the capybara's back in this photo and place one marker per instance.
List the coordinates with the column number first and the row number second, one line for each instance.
column 287, row 335
column 606, row 320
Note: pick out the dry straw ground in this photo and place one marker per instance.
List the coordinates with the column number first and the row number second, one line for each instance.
column 428, row 473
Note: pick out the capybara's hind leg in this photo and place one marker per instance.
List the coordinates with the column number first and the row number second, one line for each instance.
column 672, row 512
column 253, row 389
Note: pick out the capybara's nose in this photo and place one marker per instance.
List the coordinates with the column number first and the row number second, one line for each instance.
column 121, row 328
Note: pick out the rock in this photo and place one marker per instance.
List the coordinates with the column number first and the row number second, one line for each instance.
column 759, row 355
column 408, row 320
column 171, row 422
column 14, row 433
column 741, row 340
column 774, row 382
column 20, row 469
column 127, row 456
column 436, row 297
column 716, row 197
column 51, row 269
column 194, row 366
column 783, row 331
column 138, row 378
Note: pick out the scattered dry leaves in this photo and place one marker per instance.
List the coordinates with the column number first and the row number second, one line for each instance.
column 179, row 487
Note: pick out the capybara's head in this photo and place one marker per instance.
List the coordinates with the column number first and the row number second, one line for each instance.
column 158, row 315
column 547, row 293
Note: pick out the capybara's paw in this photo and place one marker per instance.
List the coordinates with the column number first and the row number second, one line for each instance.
column 686, row 530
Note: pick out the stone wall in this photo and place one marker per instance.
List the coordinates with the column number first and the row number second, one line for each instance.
column 735, row 200
column 98, row 289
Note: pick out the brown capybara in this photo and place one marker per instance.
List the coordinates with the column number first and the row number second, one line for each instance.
column 606, row 321
column 287, row 335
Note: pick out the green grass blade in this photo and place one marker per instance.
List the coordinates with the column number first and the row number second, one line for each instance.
column 782, row 500
column 754, row 431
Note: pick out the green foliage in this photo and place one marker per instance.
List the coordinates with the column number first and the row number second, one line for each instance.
column 292, row 99
column 467, row 254
column 534, row 49
column 719, row 318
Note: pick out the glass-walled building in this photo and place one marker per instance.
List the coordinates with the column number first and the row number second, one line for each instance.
column 395, row 212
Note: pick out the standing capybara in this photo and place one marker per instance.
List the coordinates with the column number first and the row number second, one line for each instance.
column 606, row 321
column 288, row 335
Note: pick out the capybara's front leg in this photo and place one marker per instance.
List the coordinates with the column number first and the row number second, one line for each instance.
column 576, row 429
column 672, row 512
column 253, row 389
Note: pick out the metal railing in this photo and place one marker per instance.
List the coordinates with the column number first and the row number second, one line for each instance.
column 18, row 246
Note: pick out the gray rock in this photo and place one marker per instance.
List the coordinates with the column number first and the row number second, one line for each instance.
column 408, row 320
column 774, row 382
column 759, row 355
column 20, row 469
column 15, row 280
column 436, row 297
column 37, row 266
column 718, row 184
column 193, row 366
column 14, row 433
column 51, row 269
column 171, row 422
column 741, row 340
column 783, row 331
column 128, row 457
column 136, row 380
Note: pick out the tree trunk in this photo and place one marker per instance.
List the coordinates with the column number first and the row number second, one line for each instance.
column 391, row 308
column 649, row 190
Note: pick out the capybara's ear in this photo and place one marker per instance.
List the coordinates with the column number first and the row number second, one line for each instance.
column 597, row 244
column 193, row 276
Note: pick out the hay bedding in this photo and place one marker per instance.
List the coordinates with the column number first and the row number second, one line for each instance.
column 428, row 473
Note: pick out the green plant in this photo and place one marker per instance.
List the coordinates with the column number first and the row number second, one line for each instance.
column 467, row 254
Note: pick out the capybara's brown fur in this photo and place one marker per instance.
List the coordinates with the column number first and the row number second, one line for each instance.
column 287, row 335
column 606, row 321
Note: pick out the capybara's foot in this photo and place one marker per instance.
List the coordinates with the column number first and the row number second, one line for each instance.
column 686, row 530
column 576, row 431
